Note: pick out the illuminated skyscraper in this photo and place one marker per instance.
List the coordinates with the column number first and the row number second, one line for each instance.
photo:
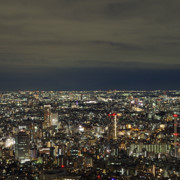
column 22, row 147
column 54, row 119
column 47, row 116
column 33, row 152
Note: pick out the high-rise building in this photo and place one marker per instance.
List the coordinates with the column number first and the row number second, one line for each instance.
column 47, row 116
column 22, row 147
column 54, row 119
column 33, row 151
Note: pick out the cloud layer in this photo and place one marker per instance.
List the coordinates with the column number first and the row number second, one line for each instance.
column 38, row 35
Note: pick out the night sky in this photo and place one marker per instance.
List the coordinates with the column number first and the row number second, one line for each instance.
column 89, row 44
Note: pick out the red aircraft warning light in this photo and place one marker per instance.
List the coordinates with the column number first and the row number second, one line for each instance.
column 112, row 114
column 175, row 134
column 175, row 115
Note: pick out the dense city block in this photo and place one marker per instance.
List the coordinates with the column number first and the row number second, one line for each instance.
column 69, row 135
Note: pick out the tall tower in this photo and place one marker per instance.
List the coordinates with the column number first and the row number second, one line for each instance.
column 113, row 128
column 22, row 146
column 47, row 116
column 175, row 134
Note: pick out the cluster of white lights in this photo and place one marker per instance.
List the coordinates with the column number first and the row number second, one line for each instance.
column 81, row 129
column 9, row 142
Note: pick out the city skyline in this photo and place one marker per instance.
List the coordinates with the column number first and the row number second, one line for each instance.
column 89, row 45
column 89, row 135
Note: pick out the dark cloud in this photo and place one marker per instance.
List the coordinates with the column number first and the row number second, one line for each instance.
column 120, row 46
column 160, row 11
column 123, row 34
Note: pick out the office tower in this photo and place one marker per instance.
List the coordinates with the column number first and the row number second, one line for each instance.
column 22, row 147
column 88, row 162
column 47, row 116
column 33, row 151
column 54, row 119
